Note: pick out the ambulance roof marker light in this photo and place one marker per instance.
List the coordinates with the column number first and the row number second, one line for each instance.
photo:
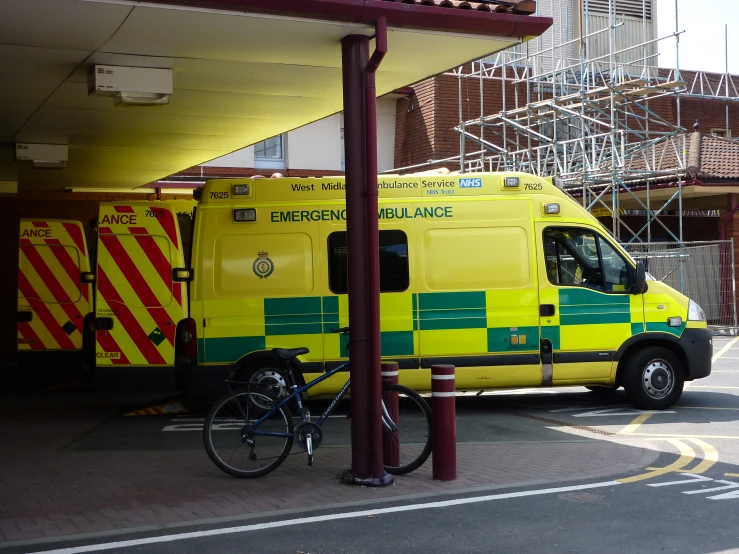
column 242, row 190
column 551, row 209
column 245, row 214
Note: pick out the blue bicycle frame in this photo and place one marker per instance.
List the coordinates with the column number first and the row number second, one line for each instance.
column 296, row 393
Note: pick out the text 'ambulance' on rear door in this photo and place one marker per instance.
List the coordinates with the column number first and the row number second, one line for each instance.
column 138, row 303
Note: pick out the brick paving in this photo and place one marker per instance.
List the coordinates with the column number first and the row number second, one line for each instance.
column 53, row 483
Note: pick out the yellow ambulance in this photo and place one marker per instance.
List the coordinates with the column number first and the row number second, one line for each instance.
column 54, row 294
column 500, row 274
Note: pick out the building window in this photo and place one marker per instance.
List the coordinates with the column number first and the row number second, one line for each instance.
column 721, row 132
column 394, row 273
column 270, row 153
column 343, row 159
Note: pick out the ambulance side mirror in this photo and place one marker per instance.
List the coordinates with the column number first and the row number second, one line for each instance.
column 182, row 275
column 640, row 279
column 87, row 277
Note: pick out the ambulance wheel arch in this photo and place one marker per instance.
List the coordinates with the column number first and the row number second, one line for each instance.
column 652, row 370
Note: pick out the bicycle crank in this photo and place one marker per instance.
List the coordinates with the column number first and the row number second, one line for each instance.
column 308, row 435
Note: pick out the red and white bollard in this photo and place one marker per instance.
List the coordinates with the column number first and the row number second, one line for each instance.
column 390, row 441
column 444, row 408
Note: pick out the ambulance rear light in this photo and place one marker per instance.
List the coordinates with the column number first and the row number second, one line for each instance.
column 242, row 190
column 247, row 214
column 510, row 182
column 87, row 277
column 188, row 339
column 551, row 209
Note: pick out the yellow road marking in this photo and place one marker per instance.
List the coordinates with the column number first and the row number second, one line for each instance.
column 724, row 349
column 731, row 474
column 711, row 457
column 687, row 455
column 634, row 425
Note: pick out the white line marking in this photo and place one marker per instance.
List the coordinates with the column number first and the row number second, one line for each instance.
column 728, row 485
column 615, row 412
column 724, row 349
column 327, row 517
column 691, row 478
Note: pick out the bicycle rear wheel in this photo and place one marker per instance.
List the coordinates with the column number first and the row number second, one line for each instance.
column 233, row 442
column 408, row 444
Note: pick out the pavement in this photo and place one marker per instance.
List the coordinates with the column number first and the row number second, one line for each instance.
column 75, row 470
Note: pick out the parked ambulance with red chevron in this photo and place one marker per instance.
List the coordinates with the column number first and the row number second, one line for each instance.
column 138, row 297
column 54, row 287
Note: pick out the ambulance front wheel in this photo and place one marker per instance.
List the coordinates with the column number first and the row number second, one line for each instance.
column 653, row 378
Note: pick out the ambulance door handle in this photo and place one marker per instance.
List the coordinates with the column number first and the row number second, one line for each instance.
column 25, row 317
column 546, row 310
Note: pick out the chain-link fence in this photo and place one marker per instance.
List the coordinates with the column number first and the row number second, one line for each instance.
column 703, row 271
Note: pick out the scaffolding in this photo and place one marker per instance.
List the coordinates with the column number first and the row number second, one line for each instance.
column 576, row 107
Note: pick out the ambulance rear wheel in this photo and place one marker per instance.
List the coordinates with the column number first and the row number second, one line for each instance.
column 653, row 378
column 267, row 375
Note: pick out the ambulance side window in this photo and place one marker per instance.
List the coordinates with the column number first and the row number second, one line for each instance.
column 394, row 275
column 581, row 258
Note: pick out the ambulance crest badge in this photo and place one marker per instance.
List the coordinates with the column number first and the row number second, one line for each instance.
column 263, row 266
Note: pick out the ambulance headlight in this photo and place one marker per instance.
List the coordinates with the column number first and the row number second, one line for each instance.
column 695, row 312
column 242, row 190
column 247, row 214
column 510, row 182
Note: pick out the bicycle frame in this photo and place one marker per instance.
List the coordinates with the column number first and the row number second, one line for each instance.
column 296, row 393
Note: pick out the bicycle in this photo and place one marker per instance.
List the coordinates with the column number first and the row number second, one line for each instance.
column 251, row 425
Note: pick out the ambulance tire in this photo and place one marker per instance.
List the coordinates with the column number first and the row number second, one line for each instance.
column 268, row 371
column 653, row 378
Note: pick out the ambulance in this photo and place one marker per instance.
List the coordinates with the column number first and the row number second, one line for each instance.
column 54, row 294
column 60, row 308
column 500, row 274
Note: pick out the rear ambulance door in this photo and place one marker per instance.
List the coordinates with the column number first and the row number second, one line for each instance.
column 587, row 309
column 53, row 300
column 138, row 303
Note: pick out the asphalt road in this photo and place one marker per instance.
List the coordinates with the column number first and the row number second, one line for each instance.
column 688, row 501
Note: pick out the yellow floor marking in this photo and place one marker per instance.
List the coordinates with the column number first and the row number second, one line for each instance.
column 634, row 425
column 710, row 458
column 687, row 455
column 724, row 349
column 731, row 474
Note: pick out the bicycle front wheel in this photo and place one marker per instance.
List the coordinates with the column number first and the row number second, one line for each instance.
column 237, row 438
column 406, row 429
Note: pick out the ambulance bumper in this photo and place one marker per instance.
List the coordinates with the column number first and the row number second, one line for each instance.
column 697, row 344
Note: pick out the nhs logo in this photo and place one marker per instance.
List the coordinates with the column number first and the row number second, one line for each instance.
column 470, row 183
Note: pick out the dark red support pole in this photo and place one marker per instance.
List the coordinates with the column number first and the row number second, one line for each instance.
column 444, row 428
column 374, row 382
column 391, row 441
column 366, row 426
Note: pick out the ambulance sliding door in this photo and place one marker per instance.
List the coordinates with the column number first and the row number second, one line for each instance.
column 478, row 303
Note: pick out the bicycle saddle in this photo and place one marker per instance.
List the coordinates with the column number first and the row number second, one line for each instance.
column 289, row 353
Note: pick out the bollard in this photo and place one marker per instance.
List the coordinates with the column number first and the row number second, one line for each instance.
column 444, row 428
column 391, row 442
